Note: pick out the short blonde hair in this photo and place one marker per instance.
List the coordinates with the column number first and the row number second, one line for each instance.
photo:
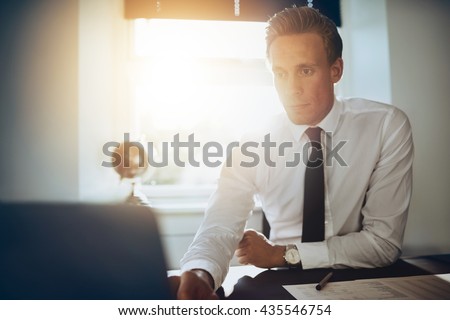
column 295, row 20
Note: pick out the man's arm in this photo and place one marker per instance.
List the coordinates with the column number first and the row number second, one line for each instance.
column 226, row 215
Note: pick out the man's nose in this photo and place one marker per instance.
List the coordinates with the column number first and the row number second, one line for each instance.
column 294, row 86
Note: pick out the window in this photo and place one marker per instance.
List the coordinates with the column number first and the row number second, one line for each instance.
column 204, row 79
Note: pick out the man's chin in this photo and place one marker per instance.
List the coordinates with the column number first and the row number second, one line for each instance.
column 297, row 120
column 301, row 119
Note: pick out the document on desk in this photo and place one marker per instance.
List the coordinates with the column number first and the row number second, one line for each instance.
column 403, row 288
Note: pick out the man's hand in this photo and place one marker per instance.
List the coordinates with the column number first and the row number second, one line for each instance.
column 194, row 284
column 256, row 249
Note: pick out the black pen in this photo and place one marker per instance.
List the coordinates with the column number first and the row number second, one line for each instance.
column 324, row 281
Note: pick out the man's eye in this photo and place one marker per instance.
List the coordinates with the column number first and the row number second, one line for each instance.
column 306, row 71
column 280, row 75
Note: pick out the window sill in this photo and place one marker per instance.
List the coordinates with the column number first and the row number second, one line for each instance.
column 177, row 199
column 180, row 199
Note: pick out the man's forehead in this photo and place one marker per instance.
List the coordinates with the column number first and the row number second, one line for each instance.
column 297, row 40
column 304, row 48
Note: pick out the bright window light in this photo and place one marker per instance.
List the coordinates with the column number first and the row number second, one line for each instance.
column 206, row 78
column 198, row 38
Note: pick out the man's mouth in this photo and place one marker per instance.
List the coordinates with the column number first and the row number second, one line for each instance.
column 299, row 106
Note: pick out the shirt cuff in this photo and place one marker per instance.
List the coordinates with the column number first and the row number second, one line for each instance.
column 314, row 254
column 208, row 266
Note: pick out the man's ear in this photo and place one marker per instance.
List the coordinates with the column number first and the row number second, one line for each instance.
column 337, row 69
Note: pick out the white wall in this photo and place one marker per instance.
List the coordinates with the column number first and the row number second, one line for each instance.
column 103, row 116
column 62, row 97
column 39, row 100
column 364, row 32
column 398, row 52
column 420, row 70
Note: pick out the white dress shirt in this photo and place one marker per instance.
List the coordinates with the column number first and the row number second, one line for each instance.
column 368, row 152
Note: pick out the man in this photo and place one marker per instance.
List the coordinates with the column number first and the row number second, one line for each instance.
column 367, row 171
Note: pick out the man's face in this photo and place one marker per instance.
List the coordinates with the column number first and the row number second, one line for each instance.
column 303, row 77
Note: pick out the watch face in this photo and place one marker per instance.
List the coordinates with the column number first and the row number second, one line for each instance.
column 292, row 256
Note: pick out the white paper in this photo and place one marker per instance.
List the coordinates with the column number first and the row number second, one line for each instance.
column 415, row 287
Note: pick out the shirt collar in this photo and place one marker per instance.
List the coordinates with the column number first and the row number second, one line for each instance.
column 328, row 124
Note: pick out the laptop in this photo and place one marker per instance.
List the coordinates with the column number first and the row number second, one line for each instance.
column 74, row 251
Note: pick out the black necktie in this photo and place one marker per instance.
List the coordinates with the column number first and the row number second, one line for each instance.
column 314, row 205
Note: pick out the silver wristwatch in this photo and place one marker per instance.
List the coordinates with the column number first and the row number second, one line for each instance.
column 292, row 256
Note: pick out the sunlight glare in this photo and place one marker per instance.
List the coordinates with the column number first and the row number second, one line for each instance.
column 198, row 38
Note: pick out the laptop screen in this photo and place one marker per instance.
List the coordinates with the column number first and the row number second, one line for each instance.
column 80, row 251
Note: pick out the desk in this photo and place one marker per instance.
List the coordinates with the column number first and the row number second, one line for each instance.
column 249, row 282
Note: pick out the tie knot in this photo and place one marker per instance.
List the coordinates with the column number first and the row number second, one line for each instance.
column 314, row 133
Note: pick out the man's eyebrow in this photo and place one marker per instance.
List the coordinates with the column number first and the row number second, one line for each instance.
column 275, row 68
column 308, row 65
column 298, row 66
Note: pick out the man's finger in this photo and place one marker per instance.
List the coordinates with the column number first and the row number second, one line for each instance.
column 243, row 260
column 249, row 233
column 240, row 253
column 243, row 243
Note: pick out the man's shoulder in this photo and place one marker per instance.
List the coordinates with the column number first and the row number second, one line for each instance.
column 364, row 105
column 369, row 108
column 367, row 117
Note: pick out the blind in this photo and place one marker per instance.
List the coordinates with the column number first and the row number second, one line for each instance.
column 228, row 10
